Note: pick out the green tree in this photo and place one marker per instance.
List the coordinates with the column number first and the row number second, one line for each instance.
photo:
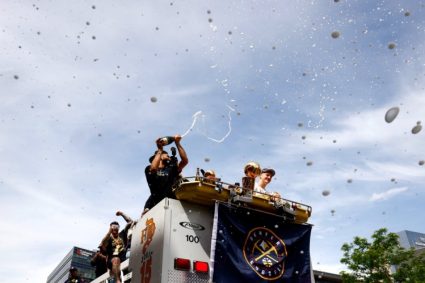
column 411, row 270
column 372, row 261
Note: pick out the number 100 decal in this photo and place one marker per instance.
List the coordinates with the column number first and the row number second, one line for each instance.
column 192, row 239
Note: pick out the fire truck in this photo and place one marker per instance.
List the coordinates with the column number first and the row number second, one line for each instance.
column 172, row 242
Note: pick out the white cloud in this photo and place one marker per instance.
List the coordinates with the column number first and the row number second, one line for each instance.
column 388, row 194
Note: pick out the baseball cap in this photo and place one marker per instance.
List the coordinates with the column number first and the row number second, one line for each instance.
column 268, row 170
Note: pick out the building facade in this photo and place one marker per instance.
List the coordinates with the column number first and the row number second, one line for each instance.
column 77, row 257
column 410, row 239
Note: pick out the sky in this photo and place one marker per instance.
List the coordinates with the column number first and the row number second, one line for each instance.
column 300, row 86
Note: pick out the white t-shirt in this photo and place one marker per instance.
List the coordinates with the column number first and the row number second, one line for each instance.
column 259, row 189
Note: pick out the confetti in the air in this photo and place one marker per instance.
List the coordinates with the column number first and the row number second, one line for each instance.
column 335, row 34
column 391, row 114
column 154, row 99
column 326, row 193
column 416, row 129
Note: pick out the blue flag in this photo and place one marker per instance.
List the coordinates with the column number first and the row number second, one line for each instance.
column 253, row 246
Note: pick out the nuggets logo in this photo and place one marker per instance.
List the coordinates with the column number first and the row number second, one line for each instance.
column 265, row 253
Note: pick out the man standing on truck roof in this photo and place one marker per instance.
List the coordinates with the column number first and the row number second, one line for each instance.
column 164, row 171
column 265, row 178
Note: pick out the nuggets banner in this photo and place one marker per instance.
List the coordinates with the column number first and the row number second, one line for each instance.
column 252, row 246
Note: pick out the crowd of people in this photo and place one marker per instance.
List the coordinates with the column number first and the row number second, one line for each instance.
column 161, row 174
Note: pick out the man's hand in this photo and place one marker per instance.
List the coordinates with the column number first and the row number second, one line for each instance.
column 119, row 213
column 177, row 138
column 159, row 144
column 275, row 196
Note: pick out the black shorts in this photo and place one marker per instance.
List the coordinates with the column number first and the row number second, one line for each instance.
column 121, row 256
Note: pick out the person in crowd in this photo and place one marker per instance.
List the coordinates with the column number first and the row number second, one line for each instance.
column 210, row 175
column 74, row 277
column 129, row 227
column 266, row 177
column 164, row 171
column 115, row 243
column 99, row 262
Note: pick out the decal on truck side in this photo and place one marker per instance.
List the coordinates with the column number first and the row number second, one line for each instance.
column 192, row 226
column 145, row 239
